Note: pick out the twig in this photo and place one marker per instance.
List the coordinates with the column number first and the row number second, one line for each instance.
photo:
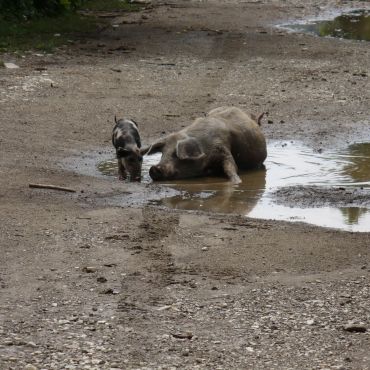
column 53, row 187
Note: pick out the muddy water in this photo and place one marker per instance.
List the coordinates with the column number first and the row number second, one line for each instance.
column 352, row 25
column 288, row 164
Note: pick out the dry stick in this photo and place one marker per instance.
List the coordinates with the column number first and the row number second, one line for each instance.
column 53, row 187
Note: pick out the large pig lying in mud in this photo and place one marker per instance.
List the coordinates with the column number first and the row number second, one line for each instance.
column 223, row 142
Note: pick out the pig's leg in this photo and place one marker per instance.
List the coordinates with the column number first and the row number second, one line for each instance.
column 231, row 170
column 122, row 175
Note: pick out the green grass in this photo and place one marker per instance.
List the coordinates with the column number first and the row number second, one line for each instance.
column 110, row 5
column 39, row 33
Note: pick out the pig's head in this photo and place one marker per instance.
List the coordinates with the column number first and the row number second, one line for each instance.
column 132, row 160
column 182, row 157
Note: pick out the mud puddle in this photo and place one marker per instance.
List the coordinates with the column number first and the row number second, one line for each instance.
column 353, row 25
column 291, row 168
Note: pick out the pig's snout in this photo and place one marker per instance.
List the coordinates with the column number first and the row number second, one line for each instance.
column 162, row 172
column 156, row 173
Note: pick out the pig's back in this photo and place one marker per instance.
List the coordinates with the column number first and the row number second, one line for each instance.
column 247, row 142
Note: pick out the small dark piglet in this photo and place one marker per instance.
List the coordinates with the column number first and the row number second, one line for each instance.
column 126, row 140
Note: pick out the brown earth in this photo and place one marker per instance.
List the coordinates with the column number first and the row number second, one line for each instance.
column 90, row 285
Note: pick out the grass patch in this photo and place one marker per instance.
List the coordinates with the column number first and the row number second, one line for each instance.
column 2, row 65
column 43, row 33
column 110, row 5
column 47, row 33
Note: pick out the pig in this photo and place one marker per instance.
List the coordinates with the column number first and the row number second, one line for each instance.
column 226, row 140
column 126, row 140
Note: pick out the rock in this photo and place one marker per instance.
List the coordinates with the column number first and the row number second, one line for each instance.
column 10, row 65
column 31, row 344
column 116, row 69
column 101, row 279
column 355, row 328
column 204, row 249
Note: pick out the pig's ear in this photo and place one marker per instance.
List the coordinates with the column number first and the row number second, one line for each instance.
column 152, row 149
column 189, row 149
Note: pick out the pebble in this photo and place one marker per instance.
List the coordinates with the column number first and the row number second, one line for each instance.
column 355, row 328
column 101, row 279
column 30, row 367
column 187, row 335
column 10, row 65
column 89, row 269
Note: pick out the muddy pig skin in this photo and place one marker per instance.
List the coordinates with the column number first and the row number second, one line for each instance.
column 225, row 141
column 126, row 140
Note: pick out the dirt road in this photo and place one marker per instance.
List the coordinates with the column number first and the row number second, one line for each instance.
column 87, row 284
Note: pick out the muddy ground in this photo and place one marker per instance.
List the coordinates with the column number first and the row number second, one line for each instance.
column 90, row 285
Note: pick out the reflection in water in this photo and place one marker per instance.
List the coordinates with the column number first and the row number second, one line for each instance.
column 353, row 25
column 217, row 195
column 359, row 166
column 287, row 164
column 353, row 215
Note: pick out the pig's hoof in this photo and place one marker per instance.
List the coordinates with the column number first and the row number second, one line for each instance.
column 236, row 180
column 122, row 178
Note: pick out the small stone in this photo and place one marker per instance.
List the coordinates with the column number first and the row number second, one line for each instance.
column 89, row 269
column 10, row 65
column 63, row 322
column 31, row 344
column 186, row 335
column 204, row 249
column 310, row 322
column 270, row 122
column 355, row 328
column 101, row 279
column 30, row 367
column 111, row 291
